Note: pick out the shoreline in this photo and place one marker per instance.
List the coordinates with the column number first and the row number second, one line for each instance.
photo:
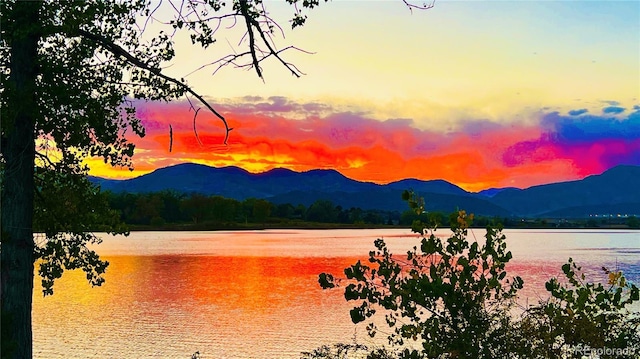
column 180, row 227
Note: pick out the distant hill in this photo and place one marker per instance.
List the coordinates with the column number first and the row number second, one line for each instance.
column 234, row 182
column 434, row 186
column 599, row 211
column 613, row 191
column 490, row 192
column 617, row 186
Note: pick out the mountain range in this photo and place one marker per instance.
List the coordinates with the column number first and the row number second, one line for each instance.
column 615, row 191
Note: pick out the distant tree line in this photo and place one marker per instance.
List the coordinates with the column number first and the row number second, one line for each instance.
column 158, row 209
column 167, row 207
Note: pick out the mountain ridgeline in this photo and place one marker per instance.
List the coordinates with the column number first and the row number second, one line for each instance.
column 610, row 193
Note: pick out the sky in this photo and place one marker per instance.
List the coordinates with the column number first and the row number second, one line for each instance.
column 479, row 93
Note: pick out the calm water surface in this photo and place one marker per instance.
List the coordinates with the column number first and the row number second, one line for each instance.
column 254, row 294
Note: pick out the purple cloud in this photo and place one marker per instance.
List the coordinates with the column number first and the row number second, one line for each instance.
column 592, row 143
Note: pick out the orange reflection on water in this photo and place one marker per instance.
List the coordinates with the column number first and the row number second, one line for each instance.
column 233, row 294
column 234, row 282
column 172, row 305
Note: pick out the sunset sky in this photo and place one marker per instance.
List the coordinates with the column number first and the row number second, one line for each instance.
column 481, row 94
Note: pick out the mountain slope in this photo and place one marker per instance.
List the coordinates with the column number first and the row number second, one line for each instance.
column 614, row 191
column 434, row 186
column 619, row 185
column 234, row 182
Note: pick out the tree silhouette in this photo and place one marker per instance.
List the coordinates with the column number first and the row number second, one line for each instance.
column 72, row 75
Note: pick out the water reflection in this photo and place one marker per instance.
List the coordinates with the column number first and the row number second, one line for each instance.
column 254, row 294
column 170, row 306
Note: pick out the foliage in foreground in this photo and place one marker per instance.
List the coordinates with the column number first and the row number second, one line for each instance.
column 452, row 298
column 351, row 350
column 583, row 318
column 73, row 74
column 67, row 208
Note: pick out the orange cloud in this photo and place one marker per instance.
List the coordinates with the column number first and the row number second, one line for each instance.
column 271, row 133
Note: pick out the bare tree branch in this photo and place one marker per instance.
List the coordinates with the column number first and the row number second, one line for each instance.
column 424, row 6
column 195, row 115
column 170, row 138
column 270, row 20
column 272, row 51
column 119, row 51
column 150, row 17
column 252, row 42
column 195, row 131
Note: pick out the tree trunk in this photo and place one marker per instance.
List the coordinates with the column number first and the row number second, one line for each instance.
column 18, row 151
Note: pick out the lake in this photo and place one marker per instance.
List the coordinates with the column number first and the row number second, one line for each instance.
column 254, row 294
